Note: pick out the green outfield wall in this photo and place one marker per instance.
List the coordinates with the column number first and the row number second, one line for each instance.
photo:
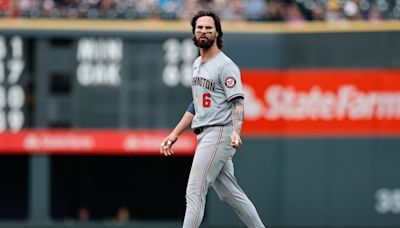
column 136, row 75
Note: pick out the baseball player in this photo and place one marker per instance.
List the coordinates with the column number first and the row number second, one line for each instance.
column 216, row 116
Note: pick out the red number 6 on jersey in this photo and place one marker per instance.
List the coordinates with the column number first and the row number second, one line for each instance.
column 206, row 100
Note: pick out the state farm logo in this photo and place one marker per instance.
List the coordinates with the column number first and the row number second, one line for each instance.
column 31, row 142
column 150, row 142
column 131, row 143
column 144, row 142
column 347, row 101
column 48, row 141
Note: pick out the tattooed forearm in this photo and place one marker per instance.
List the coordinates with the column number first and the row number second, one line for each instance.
column 237, row 114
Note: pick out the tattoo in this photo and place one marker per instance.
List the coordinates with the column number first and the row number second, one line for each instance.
column 237, row 114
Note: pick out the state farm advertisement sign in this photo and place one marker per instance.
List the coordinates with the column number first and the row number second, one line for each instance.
column 355, row 102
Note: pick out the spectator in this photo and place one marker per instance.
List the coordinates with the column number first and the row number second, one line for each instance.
column 189, row 9
column 293, row 14
column 106, row 9
column 352, row 10
column 122, row 216
column 374, row 14
column 83, row 215
column 230, row 10
column 275, row 10
column 147, row 9
column 233, row 11
column 9, row 8
column 334, row 12
column 318, row 12
column 254, row 9
column 169, row 8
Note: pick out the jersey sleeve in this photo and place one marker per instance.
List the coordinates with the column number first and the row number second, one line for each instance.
column 232, row 82
column 191, row 108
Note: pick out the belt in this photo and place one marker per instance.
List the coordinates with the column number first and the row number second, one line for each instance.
column 198, row 130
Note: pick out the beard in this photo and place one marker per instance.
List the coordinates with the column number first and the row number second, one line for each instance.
column 204, row 44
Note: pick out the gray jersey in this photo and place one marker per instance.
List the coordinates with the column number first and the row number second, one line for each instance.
column 215, row 83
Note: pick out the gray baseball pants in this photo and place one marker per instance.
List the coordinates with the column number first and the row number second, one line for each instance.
column 212, row 165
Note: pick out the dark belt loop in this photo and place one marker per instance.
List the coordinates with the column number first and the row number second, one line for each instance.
column 198, row 130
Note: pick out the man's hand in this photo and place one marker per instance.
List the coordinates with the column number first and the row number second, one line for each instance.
column 236, row 141
column 166, row 145
column 237, row 121
column 184, row 124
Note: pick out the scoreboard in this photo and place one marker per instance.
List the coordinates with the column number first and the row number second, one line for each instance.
column 13, row 83
column 75, row 79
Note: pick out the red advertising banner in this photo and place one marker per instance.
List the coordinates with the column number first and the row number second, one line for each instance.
column 92, row 142
column 294, row 103
column 322, row 102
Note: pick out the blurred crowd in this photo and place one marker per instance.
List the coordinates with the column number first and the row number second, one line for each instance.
column 229, row 10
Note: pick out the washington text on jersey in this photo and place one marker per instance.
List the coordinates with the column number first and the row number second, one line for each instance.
column 203, row 82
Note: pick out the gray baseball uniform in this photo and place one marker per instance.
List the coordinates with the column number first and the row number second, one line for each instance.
column 215, row 83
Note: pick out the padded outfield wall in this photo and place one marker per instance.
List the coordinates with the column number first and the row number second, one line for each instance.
column 321, row 138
